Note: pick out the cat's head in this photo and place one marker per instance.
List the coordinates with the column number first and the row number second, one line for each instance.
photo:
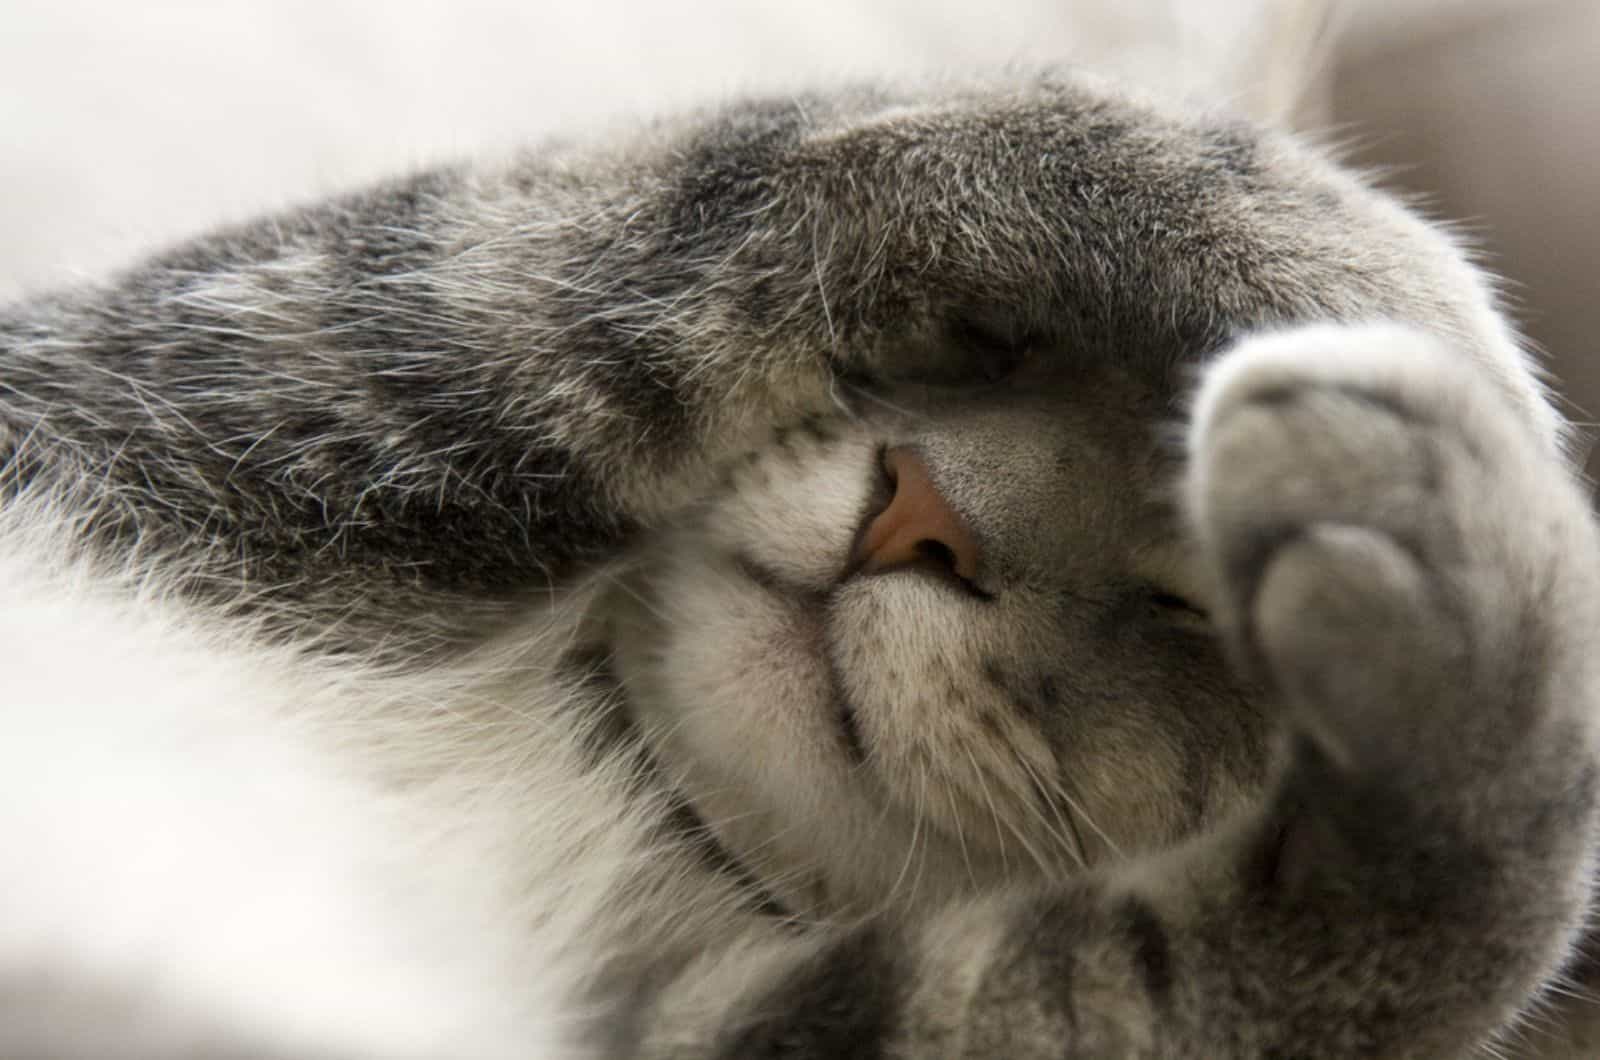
column 955, row 631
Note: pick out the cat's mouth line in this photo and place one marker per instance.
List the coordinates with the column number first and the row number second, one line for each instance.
column 814, row 605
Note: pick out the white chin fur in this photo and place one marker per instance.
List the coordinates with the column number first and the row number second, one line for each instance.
column 171, row 841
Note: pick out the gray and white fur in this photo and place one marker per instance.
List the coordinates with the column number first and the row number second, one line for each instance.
column 436, row 631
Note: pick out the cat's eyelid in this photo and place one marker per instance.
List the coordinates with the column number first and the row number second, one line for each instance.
column 999, row 351
column 1173, row 569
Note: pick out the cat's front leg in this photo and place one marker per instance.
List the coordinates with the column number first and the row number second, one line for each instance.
column 1410, row 572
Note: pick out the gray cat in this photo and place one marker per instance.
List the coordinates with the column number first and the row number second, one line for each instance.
column 998, row 570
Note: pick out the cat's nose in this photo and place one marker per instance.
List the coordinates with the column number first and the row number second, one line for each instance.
column 917, row 527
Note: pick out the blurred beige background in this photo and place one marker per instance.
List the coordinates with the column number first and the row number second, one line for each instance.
column 126, row 125
column 1491, row 112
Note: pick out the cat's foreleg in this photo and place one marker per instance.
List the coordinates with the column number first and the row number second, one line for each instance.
column 397, row 413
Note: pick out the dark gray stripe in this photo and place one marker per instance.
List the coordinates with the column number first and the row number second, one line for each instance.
column 842, row 1004
column 1152, row 951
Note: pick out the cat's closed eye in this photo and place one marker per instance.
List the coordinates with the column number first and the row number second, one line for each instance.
column 1173, row 590
column 969, row 351
column 1178, row 610
column 995, row 350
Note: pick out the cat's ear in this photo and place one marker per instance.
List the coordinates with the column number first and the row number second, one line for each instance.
column 1269, row 59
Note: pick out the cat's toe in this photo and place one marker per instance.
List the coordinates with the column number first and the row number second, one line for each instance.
column 1364, row 496
column 1345, row 624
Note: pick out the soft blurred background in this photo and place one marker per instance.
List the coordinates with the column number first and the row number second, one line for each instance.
column 124, row 125
column 1490, row 110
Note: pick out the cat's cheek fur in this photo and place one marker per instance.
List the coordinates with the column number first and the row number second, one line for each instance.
column 789, row 509
column 722, row 649
column 740, row 716
column 910, row 653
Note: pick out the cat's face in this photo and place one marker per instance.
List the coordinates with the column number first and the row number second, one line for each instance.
column 1030, row 683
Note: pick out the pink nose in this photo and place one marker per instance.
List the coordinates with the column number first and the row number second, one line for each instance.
column 918, row 527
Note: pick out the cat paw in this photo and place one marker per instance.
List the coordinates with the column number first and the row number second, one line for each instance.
column 1379, row 523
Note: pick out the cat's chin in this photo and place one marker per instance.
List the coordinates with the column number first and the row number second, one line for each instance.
column 729, row 678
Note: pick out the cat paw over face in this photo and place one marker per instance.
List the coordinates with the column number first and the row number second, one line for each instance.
column 1390, row 537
